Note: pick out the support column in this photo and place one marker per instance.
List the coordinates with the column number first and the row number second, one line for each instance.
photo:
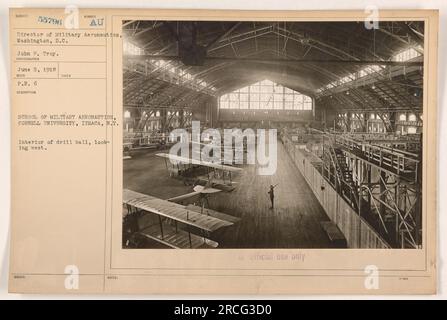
column 365, row 122
column 164, row 120
column 182, row 118
column 368, row 175
column 348, row 122
column 382, row 190
column 392, row 126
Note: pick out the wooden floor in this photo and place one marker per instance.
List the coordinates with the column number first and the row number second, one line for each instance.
column 294, row 223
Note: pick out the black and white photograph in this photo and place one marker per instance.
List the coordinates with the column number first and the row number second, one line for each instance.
column 225, row 149
column 272, row 134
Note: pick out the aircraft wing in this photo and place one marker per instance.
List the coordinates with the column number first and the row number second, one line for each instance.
column 173, row 211
column 184, row 196
column 184, row 160
column 207, row 190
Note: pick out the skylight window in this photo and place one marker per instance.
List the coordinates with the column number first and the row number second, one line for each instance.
column 130, row 48
column 402, row 56
column 407, row 54
column 180, row 73
column 352, row 76
column 172, row 68
column 266, row 95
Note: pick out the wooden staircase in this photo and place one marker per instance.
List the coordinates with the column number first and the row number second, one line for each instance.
column 348, row 186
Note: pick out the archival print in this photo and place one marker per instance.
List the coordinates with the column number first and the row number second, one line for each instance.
column 249, row 134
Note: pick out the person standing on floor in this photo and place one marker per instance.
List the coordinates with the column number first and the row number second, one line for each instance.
column 272, row 195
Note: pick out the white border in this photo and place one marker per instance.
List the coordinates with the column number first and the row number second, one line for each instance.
column 441, row 5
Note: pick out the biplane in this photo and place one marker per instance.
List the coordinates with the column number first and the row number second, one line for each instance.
column 171, row 224
column 136, row 141
column 198, row 172
column 203, row 192
column 236, row 153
